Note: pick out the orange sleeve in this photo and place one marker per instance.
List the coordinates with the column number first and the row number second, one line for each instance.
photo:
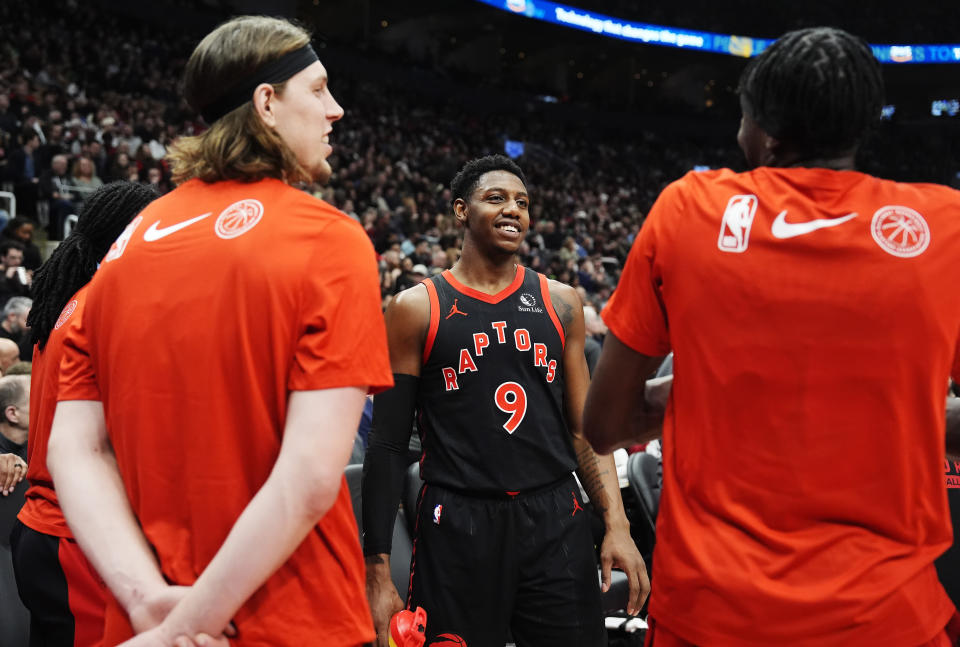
column 343, row 340
column 635, row 313
column 78, row 380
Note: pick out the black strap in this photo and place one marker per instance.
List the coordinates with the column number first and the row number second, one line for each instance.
column 276, row 71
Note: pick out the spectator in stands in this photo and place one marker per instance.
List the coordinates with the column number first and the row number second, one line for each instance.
column 21, row 230
column 83, row 176
column 98, row 156
column 23, row 171
column 20, row 367
column 14, row 323
column 15, row 280
column 119, row 167
column 9, row 354
column 803, row 486
column 14, row 426
column 55, row 186
column 156, row 179
column 54, row 144
column 8, row 121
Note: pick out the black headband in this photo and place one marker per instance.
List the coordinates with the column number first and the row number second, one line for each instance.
column 276, row 71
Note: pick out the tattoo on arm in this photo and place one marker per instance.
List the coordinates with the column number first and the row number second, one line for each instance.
column 564, row 309
column 373, row 559
column 591, row 477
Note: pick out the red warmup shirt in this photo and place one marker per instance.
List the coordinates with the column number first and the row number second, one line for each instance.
column 814, row 320
column 41, row 511
column 216, row 303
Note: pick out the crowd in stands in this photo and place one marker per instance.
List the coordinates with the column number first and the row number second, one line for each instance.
column 88, row 96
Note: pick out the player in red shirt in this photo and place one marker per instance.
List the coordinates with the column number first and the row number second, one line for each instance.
column 814, row 322
column 56, row 583
column 210, row 396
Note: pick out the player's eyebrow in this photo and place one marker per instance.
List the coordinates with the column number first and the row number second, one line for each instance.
column 503, row 190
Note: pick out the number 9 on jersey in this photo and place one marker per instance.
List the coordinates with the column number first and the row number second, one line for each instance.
column 511, row 399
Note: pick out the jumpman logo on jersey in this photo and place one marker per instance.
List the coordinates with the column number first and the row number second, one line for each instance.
column 576, row 505
column 454, row 310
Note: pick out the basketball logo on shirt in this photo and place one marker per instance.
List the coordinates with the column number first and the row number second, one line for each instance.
column 238, row 218
column 736, row 223
column 120, row 244
column 65, row 314
column 900, row 231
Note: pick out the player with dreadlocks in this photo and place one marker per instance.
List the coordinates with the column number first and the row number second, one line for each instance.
column 813, row 316
column 65, row 597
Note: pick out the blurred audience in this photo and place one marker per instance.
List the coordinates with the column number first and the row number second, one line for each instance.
column 74, row 114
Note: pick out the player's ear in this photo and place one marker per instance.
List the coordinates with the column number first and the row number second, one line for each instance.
column 460, row 211
column 264, row 97
column 773, row 150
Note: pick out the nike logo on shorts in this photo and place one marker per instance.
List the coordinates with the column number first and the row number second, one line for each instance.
column 782, row 229
column 156, row 233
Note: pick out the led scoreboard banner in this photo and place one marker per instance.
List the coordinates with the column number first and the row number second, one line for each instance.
column 698, row 40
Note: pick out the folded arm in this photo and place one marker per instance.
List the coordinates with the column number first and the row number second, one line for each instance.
column 302, row 486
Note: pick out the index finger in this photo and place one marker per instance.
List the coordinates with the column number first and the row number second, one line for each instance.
column 636, row 591
column 643, row 588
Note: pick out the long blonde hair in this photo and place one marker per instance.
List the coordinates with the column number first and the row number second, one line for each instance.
column 238, row 146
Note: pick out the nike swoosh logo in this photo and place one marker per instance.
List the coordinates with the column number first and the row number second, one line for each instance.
column 156, row 233
column 783, row 229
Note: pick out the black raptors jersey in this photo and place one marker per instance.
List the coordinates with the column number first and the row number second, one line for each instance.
column 490, row 399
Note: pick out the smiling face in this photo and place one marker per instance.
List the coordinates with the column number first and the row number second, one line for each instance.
column 303, row 116
column 496, row 214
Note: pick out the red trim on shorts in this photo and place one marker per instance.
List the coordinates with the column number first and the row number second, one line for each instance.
column 434, row 319
column 483, row 296
column 413, row 553
column 86, row 595
column 545, row 293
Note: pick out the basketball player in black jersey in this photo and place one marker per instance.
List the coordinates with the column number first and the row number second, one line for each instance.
column 490, row 356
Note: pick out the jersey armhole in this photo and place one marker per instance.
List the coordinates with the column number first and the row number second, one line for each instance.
column 434, row 319
column 548, row 302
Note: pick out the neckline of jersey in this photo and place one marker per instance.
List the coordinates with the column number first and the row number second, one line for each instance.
column 483, row 296
column 826, row 178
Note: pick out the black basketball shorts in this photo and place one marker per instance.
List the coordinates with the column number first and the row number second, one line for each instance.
column 64, row 594
column 522, row 566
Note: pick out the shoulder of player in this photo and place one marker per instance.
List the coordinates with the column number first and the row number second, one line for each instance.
column 407, row 319
column 565, row 301
column 408, row 313
column 315, row 206
column 925, row 193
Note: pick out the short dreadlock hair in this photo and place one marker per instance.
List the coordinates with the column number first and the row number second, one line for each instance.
column 104, row 216
column 465, row 181
column 818, row 89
